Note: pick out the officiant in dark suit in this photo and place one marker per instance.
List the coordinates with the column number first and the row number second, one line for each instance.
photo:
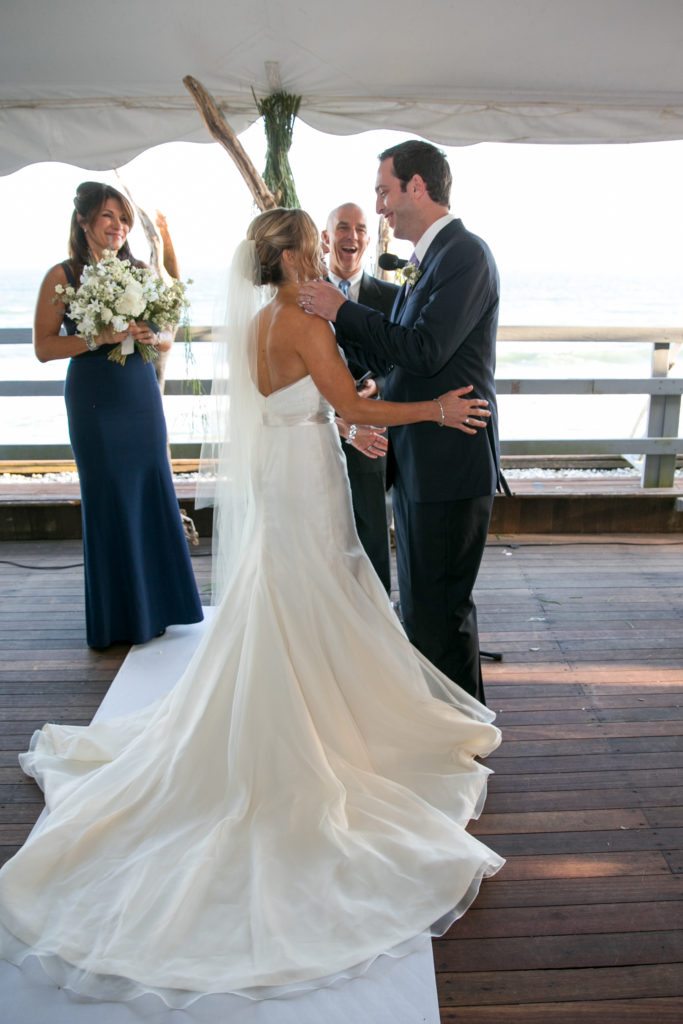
column 441, row 335
column 345, row 240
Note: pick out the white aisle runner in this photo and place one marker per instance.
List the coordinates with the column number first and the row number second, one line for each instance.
column 393, row 991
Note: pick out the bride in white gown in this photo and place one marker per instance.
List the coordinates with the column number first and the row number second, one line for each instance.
column 296, row 806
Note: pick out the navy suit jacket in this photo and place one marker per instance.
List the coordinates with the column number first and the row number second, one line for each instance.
column 376, row 294
column 441, row 336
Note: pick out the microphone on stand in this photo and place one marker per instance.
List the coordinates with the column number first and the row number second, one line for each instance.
column 387, row 261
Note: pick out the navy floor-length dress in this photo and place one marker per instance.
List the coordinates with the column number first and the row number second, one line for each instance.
column 138, row 573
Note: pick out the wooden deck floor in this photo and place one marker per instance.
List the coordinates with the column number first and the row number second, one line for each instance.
column 584, row 923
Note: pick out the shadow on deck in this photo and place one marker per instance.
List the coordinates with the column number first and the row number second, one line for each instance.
column 583, row 924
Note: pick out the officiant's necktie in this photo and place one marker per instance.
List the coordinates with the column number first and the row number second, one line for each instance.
column 344, row 287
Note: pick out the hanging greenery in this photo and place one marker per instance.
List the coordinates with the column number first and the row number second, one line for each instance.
column 279, row 112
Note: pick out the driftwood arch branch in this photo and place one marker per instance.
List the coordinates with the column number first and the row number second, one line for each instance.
column 223, row 133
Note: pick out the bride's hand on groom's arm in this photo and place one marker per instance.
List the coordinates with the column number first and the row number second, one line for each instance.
column 369, row 441
column 466, row 414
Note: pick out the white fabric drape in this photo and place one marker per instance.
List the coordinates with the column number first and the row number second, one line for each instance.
column 95, row 90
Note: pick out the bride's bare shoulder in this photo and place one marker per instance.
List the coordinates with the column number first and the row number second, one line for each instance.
column 291, row 320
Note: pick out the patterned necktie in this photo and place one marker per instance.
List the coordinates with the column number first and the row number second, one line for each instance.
column 344, row 287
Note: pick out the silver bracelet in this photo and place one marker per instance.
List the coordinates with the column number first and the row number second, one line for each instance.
column 443, row 414
column 89, row 339
column 351, row 436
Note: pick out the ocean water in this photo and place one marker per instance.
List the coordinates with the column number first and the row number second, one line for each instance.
column 527, row 298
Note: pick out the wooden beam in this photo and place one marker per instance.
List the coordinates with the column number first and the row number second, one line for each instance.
column 223, row 133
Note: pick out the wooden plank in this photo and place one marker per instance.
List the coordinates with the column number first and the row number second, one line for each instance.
column 14, row 834
column 609, row 762
column 597, row 918
column 662, row 817
column 627, row 840
column 668, row 698
column 566, row 447
column 674, row 859
column 536, row 446
column 603, row 1011
column 620, row 730
column 583, row 780
column 592, row 745
column 668, row 656
column 23, row 718
column 462, row 988
column 24, row 702
column 13, row 775
column 589, row 386
column 591, row 713
column 584, row 800
column 491, row 824
column 578, row 891
column 585, row 865
column 18, row 794
column 590, row 335
column 597, row 674
column 560, row 952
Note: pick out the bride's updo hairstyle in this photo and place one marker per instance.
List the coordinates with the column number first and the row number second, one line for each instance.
column 277, row 230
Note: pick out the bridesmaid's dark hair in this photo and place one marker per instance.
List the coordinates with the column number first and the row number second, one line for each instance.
column 277, row 230
column 89, row 199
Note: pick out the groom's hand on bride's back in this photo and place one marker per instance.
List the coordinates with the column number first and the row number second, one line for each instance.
column 462, row 413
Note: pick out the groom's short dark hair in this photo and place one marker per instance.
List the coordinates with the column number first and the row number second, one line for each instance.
column 416, row 157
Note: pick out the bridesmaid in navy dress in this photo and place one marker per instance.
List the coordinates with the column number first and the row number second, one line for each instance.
column 138, row 573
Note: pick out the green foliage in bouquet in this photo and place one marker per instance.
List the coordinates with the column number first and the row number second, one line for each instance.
column 113, row 292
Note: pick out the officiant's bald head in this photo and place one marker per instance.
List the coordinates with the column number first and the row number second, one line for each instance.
column 346, row 240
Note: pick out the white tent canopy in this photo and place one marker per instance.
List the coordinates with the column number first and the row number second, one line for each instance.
column 95, row 83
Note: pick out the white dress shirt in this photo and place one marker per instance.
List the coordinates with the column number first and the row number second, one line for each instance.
column 430, row 234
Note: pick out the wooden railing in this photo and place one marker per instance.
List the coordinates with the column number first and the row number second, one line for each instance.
column 660, row 446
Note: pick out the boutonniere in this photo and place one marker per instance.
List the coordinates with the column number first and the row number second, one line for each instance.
column 410, row 275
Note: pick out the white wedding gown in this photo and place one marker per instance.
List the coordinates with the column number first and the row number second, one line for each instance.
column 294, row 808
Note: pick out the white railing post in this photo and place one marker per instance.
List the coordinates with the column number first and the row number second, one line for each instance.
column 662, row 421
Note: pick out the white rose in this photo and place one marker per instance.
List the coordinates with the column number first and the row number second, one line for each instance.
column 132, row 302
column 105, row 315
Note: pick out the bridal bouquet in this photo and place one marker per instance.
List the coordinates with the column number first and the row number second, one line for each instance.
column 113, row 292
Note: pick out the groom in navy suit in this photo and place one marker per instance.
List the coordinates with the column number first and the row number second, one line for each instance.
column 440, row 336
